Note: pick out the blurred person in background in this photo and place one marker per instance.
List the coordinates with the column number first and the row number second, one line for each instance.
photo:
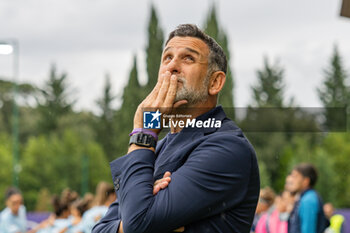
column 275, row 220
column 77, row 209
column 13, row 217
column 105, row 196
column 336, row 220
column 62, row 213
column 307, row 215
column 266, row 200
column 60, row 219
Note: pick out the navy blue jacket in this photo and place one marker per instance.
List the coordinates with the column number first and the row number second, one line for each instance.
column 214, row 183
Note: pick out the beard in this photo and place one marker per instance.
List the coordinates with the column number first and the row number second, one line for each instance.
column 190, row 94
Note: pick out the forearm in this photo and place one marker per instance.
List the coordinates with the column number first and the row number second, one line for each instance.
column 107, row 227
column 110, row 222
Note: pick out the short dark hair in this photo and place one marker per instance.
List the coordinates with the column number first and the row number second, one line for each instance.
column 12, row 191
column 307, row 170
column 217, row 59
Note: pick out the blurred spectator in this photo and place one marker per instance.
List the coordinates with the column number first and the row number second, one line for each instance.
column 275, row 220
column 62, row 212
column 77, row 209
column 266, row 199
column 307, row 215
column 105, row 196
column 13, row 217
column 336, row 220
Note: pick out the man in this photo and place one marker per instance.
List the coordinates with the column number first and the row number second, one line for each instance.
column 307, row 215
column 211, row 177
column 13, row 217
column 336, row 220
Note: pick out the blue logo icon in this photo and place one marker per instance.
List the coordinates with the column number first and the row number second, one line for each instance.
column 151, row 120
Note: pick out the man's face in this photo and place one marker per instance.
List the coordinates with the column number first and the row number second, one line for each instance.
column 298, row 182
column 187, row 57
column 328, row 210
column 14, row 202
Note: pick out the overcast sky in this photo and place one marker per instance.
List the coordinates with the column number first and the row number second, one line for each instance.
column 89, row 38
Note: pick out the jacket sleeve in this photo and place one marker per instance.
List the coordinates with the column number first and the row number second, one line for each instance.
column 110, row 222
column 214, row 178
column 308, row 210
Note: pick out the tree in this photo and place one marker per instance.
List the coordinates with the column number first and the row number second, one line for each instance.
column 24, row 91
column 105, row 128
column 55, row 102
column 271, row 124
column 337, row 151
column 6, row 165
column 154, row 50
column 270, row 87
column 55, row 162
column 334, row 93
column 132, row 97
column 212, row 28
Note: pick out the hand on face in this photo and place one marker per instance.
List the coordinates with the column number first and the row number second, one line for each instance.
column 162, row 97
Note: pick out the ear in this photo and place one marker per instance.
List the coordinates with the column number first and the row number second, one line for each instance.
column 306, row 182
column 216, row 82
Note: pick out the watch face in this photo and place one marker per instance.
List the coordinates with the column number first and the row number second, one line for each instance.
column 142, row 139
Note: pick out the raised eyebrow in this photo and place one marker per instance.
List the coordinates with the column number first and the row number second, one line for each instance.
column 192, row 51
column 166, row 49
column 188, row 49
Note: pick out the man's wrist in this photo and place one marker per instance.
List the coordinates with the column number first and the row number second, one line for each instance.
column 133, row 147
column 145, row 131
column 143, row 139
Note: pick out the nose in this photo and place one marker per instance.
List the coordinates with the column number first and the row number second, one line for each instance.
column 174, row 66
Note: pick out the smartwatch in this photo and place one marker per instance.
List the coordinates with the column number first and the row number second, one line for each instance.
column 143, row 139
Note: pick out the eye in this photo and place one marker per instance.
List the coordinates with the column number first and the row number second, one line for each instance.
column 167, row 58
column 189, row 58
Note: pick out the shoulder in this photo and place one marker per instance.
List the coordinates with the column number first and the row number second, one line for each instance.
column 5, row 214
column 231, row 137
column 224, row 151
column 310, row 195
column 309, row 199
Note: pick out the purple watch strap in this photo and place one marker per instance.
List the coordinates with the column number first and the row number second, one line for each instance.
column 146, row 131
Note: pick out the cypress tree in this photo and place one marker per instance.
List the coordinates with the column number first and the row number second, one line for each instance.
column 212, row 28
column 105, row 127
column 334, row 93
column 56, row 101
column 154, row 50
column 132, row 97
column 270, row 88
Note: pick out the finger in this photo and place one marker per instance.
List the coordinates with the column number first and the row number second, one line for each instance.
column 157, row 87
column 167, row 179
column 171, row 94
column 180, row 229
column 164, row 89
column 156, row 189
column 159, row 187
column 163, row 185
column 167, row 174
column 179, row 103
